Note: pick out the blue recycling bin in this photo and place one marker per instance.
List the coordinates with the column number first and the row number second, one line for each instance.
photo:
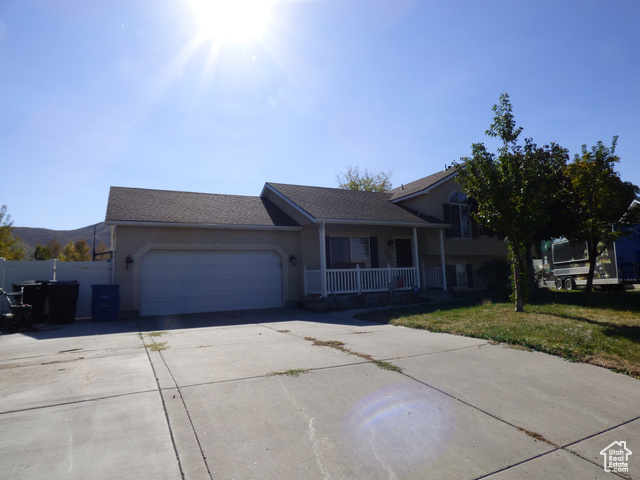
column 105, row 302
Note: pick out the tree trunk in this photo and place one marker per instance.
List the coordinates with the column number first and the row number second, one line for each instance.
column 593, row 257
column 515, row 254
column 517, row 278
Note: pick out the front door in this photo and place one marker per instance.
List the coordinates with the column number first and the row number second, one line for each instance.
column 404, row 257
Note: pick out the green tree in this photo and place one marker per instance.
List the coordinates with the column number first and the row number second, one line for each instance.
column 364, row 180
column 78, row 252
column 600, row 200
column 11, row 247
column 53, row 249
column 41, row 253
column 513, row 189
column 102, row 248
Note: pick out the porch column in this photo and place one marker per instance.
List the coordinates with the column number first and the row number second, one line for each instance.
column 323, row 259
column 444, row 269
column 416, row 259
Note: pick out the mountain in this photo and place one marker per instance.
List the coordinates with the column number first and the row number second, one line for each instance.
column 32, row 237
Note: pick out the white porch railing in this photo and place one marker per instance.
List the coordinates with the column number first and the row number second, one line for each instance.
column 360, row 280
column 432, row 277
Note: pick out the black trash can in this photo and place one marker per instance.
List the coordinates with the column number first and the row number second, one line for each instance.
column 105, row 302
column 34, row 294
column 63, row 300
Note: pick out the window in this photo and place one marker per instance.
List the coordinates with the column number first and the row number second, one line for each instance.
column 347, row 252
column 459, row 275
column 457, row 213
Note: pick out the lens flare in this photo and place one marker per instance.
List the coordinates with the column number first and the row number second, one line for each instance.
column 399, row 428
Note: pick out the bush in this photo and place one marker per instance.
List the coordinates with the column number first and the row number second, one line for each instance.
column 495, row 274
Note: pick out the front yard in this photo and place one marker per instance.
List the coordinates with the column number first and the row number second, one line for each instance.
column 606, row 332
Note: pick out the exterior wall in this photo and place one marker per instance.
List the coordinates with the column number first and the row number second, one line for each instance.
column 474, row 251
column 136, row 241
column 431, row 203
column 310, row 240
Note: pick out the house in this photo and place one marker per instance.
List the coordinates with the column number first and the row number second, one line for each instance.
column 184, row 252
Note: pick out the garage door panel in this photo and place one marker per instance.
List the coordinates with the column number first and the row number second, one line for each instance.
column 176, row 282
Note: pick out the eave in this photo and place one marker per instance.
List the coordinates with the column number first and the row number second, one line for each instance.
column 130, row 223
column 426, row 190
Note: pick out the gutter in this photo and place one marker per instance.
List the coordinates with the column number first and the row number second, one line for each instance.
column 131, row 223
column 381, row 223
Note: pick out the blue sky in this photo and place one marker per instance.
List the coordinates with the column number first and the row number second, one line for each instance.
column 132, row 93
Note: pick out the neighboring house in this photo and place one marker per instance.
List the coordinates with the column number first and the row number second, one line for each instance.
column 181, row 252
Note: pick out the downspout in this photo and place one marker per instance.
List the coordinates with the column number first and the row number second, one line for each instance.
column 113, row 254
column 442, row 260
column 416, row 261
column 323, row 259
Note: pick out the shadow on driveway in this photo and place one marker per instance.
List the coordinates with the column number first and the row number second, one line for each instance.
column 86, row 327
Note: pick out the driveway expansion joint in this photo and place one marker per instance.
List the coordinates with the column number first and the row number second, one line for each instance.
column 166, row 412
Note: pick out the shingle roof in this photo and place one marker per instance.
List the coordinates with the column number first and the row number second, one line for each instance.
column 327, row 204
column 422, row 184
column 164, row 206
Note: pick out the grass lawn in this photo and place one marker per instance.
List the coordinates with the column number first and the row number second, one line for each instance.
column 604, row 332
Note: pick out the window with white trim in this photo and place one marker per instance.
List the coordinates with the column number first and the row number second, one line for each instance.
column 459, row 275
column 347, row 252
column 460, row 216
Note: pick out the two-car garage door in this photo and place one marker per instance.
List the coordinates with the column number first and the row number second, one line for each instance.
column 177, row 281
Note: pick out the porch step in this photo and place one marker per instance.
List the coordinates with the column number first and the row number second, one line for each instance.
column 365, row 300
column 439, row 295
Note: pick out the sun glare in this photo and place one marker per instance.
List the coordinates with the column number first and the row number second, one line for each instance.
column 232, row 20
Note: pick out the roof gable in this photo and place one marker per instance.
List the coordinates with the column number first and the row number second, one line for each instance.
column 343, row 206
column 422, row 185
column 164, row 206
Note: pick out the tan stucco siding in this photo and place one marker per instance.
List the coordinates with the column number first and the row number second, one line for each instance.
column 385, row 253
column 137, row 241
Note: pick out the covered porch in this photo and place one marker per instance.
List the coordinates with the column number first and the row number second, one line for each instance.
column 362, row 278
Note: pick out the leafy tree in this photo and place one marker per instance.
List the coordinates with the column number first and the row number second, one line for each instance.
column 53, row 249
column 11, row 247
column 78, row 252
column 101, row 248
column 364, row 180
column 513, row 189
column 41, row 253
column 600, row 198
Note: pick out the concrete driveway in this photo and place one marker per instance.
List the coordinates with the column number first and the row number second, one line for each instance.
column 217, row 396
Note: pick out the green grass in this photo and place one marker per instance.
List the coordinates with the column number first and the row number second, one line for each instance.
column 603, row 330
column 294, row 372
column 338, row 345
column 156, row 346
column 157, row 334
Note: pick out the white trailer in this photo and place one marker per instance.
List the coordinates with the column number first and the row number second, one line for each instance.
column 567, row 263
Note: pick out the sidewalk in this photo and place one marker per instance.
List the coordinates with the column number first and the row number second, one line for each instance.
column 89, row 400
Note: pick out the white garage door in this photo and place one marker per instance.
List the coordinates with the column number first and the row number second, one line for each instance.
column 175, row 282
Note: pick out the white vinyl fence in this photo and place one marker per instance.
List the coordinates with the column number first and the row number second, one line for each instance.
column 85, row 273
